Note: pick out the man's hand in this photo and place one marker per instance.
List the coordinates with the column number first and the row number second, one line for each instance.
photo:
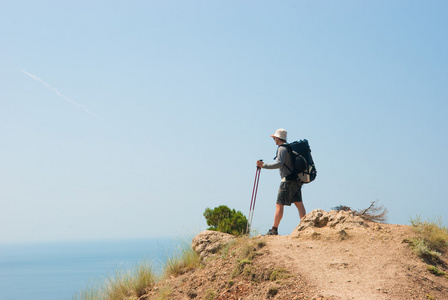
column 259, row 164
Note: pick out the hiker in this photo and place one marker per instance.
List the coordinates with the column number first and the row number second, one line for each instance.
column 289, row 191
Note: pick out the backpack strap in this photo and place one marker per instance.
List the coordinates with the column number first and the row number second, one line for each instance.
column 288, row 147
column 282, row 145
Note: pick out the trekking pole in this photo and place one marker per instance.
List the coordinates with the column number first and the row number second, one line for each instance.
column 252, row 200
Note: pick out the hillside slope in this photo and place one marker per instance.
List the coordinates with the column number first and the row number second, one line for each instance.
column 330, row 255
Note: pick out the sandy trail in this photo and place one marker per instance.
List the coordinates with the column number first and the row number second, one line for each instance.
column 364, row 263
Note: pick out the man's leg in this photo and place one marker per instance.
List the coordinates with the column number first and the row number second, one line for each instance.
column 282, row 193
column 301, row 208
column 278, row 214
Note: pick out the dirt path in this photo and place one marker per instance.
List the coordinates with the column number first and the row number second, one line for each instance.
column 363, row 263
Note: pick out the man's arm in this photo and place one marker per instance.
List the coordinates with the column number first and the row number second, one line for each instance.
column 279, row 162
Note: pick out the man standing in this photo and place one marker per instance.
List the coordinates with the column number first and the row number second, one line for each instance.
column 289, row 191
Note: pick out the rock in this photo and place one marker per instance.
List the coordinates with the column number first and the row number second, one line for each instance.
column 210, row 242
column 192, row 294
column 340, row 220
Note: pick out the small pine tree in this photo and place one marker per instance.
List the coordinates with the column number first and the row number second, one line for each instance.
column 225, row 220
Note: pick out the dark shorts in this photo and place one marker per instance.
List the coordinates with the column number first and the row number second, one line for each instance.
column 289, row 192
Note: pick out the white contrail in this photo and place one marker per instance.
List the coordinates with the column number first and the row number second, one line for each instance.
column 48, row 86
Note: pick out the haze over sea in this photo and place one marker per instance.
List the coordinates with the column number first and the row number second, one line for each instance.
column 60, row 270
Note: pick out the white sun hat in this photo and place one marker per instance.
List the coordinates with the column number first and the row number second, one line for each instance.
column 280, row 133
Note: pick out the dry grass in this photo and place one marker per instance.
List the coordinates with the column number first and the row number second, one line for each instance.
column 247, row 249
column 124, row 285
column 248, row 246
column 88, row 294
column 133, row 284
column 180, row 263
column 433, row 233
column 136, row 282
column 165, row 293
column 431, row 239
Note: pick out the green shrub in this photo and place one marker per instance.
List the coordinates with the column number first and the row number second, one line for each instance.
column 436, row 271
column 422, row 249
column 226, row 220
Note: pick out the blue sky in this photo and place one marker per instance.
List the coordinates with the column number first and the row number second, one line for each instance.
column 126, row 119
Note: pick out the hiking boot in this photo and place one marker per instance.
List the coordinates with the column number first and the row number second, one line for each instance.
column 272, row 232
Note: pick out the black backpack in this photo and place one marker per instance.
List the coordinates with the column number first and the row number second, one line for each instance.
column 303, row 169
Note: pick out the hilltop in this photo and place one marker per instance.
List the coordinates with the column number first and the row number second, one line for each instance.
column 330, row 255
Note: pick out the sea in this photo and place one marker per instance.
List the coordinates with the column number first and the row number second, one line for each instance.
column 61, row 270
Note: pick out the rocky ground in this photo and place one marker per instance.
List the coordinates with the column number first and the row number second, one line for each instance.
column 330, row 255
